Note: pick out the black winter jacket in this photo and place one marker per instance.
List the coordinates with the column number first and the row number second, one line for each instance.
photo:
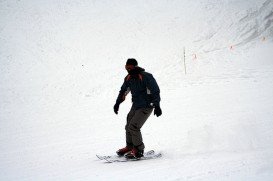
column 144, row 89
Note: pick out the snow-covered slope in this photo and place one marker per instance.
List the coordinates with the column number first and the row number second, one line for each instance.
column 62, row 64
column 234, row 23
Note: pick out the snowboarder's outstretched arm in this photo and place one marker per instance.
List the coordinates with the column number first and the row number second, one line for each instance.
column 153, row 87
column 124, row 90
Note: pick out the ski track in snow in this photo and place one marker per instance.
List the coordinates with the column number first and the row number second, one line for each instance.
column 62, row 67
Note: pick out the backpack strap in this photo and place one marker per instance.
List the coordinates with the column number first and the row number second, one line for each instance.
column 128, row 77
column 140, row 76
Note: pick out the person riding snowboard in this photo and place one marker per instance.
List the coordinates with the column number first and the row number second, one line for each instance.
column 145, row 97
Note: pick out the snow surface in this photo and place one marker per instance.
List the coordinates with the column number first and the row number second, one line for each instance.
column 62, row 64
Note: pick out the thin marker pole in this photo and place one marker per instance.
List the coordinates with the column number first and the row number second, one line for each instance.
column 184, row 52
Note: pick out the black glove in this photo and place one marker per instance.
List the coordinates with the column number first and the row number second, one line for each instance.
column 116, row 107
column 157, row 111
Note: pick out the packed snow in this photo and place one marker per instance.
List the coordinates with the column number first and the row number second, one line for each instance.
column 62, row 65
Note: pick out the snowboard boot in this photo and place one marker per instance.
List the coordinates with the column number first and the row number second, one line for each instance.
column 123, row 151
column 134, row 154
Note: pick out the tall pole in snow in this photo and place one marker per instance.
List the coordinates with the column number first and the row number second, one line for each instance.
column 184, row 52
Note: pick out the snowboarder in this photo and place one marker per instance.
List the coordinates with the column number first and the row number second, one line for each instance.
column 145, row 97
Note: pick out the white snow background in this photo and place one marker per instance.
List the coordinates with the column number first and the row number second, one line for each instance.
column 62, row 65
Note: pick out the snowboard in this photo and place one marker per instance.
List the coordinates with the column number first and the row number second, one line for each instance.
column 115, row 158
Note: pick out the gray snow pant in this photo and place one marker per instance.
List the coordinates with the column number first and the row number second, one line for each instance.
column 135, row 120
